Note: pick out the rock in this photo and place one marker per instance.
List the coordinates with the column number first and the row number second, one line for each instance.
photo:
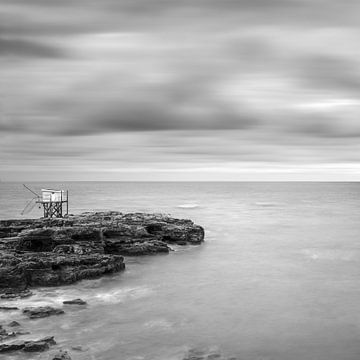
column 51, row 269
column 14, row 346
column 49, row 339
column 77, row 348
column 213, row 356
column 135, row 247
column 75, row 302
column 61, row 355
column 5, row 335
column 198, row 354
column 39, row 345
column 41, row 312
column 178, row 233
column 51, row 252
column 16, row 294
column 13, row 324
column 22, row 333
column 36, row 240
column 33, row 346
column 8, row 308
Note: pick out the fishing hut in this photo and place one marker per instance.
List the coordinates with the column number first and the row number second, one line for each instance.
column 54, row 202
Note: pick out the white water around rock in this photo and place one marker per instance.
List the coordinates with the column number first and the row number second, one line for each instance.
column 278, row 277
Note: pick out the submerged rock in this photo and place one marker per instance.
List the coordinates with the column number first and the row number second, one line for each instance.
column 206, row 354
column 13, row 324
column 48, row 252
column 61, row 355
column 42, row 311
column 75, row 302
column 78, row 348
column 5, row 334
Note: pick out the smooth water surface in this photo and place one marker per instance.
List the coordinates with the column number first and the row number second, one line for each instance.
column 278, row 277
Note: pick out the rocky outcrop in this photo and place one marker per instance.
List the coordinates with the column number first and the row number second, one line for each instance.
column 47, row 252
column 28, row 346
column 47, row 269
column 41, row 312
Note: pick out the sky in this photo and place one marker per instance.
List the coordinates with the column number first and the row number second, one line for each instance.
column 179, row 90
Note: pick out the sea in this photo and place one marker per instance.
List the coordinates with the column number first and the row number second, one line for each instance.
column 277, row 278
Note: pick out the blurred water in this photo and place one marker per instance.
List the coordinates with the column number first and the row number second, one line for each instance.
column 277, row 278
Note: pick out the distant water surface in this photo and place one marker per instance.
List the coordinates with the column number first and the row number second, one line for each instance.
column 278, row 277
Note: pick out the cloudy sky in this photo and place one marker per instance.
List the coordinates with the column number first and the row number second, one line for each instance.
column 179, row 90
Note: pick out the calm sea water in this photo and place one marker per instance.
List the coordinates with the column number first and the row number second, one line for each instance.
column 278, row 277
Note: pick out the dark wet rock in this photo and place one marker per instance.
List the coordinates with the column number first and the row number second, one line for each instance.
column 41, row 312
column 9, row 308
column 75, row 302
column 35, row 240
column 61, row 355
column 78, row 348
column 48, row 252
column 13, row 324
column 36, row 346
column 184, row 233
column 16, row 294
column 200, row 354
column 50, row 269
column 135, row 247
column 78, row 240
column 49, row 339
column 14, row 346
column 28, row 346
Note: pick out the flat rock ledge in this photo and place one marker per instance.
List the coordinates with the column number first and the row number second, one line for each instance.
column 75, row 302
column 49, row 252
column 41, row 312
column 28, row 346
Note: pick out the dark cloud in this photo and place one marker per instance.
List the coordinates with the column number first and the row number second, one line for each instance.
column 151, row 118
column 21, row 48
column 139, row 117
